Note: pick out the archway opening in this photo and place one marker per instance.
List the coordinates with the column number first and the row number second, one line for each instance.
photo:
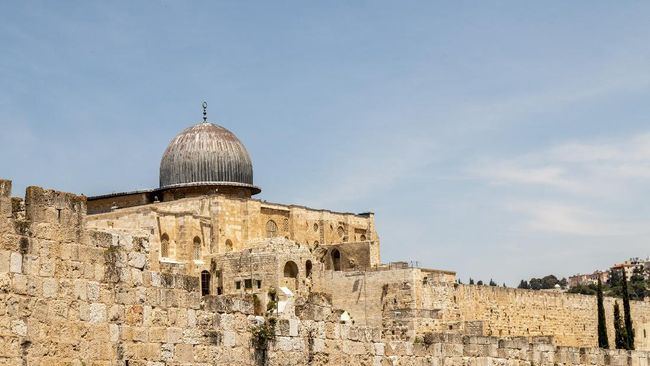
column 291, row 269
column 228, row 245
column 336, row 260
column 290, row 275
column 308, row 267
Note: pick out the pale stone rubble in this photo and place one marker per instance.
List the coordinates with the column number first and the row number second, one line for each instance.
column 80, row 294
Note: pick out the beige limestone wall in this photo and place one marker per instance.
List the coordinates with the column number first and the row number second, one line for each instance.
column 227, row 224
column 569, row 318
column 361, row 293
column 70, row 296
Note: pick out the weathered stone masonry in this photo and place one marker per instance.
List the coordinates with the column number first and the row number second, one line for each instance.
column 73, row 296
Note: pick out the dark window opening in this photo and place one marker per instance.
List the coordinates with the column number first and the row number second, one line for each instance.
column 237, row 285
column 248, row 283
column 259, row 284
column 291, row 269
column 228, row 245
column 308, row 267
column 205, row 283
column 219, row 290
column 336, row 260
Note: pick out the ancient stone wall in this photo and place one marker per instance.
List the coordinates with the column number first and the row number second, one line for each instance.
column 505, row 312
column 72, row 296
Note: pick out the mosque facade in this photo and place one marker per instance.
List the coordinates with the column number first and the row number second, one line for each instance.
column 186, row 273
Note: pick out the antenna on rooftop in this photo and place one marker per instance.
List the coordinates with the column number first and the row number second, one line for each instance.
column 205, row 111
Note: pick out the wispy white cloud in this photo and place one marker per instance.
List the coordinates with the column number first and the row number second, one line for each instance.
column 588, row 188
column 573, row 219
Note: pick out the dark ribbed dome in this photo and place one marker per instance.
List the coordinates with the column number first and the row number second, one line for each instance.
column 206, row 154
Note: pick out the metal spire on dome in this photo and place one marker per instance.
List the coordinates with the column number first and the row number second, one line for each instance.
column 205, row 112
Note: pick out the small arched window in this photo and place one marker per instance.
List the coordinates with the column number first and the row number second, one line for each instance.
column 164, row 246
column 308, row 267
column 362, row 238
column 196, row 249
column 271, row 229
column 205, row 283
column 228, row 245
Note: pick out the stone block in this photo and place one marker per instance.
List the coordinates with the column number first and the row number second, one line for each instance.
column 92, row 291
column 5, row 259
column 97, row 313
column 16, row 263
column 19, row 328
column 137, row 260
column 229, row 339
column 293, row 327
column 50, row 287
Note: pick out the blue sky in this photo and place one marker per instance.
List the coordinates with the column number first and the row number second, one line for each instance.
column 500, row 139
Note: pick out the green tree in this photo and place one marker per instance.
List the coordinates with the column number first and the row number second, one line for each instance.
column 492, row 283
column 523, row 284
column 620, row 336
column 629, row 330
column 480, row 283
column 637, row 286
column 603, row 342
column 471, row 281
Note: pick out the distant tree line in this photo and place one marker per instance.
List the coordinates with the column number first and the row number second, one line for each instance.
column 481, row 283
column 544, row 283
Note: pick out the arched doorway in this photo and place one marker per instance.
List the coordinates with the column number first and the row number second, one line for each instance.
column 308, row 267
column 336, row 259
column 205, row 283
column 291, row 275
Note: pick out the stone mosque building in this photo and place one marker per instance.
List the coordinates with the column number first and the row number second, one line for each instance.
column 179, row 275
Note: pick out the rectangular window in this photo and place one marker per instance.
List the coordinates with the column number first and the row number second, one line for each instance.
column 237, row 285
column 248, row 283
column 259, row 284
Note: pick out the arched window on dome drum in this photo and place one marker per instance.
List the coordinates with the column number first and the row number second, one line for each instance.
column 205, row 283
column 196, row 249
column 164, row 246
column 271, row 229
